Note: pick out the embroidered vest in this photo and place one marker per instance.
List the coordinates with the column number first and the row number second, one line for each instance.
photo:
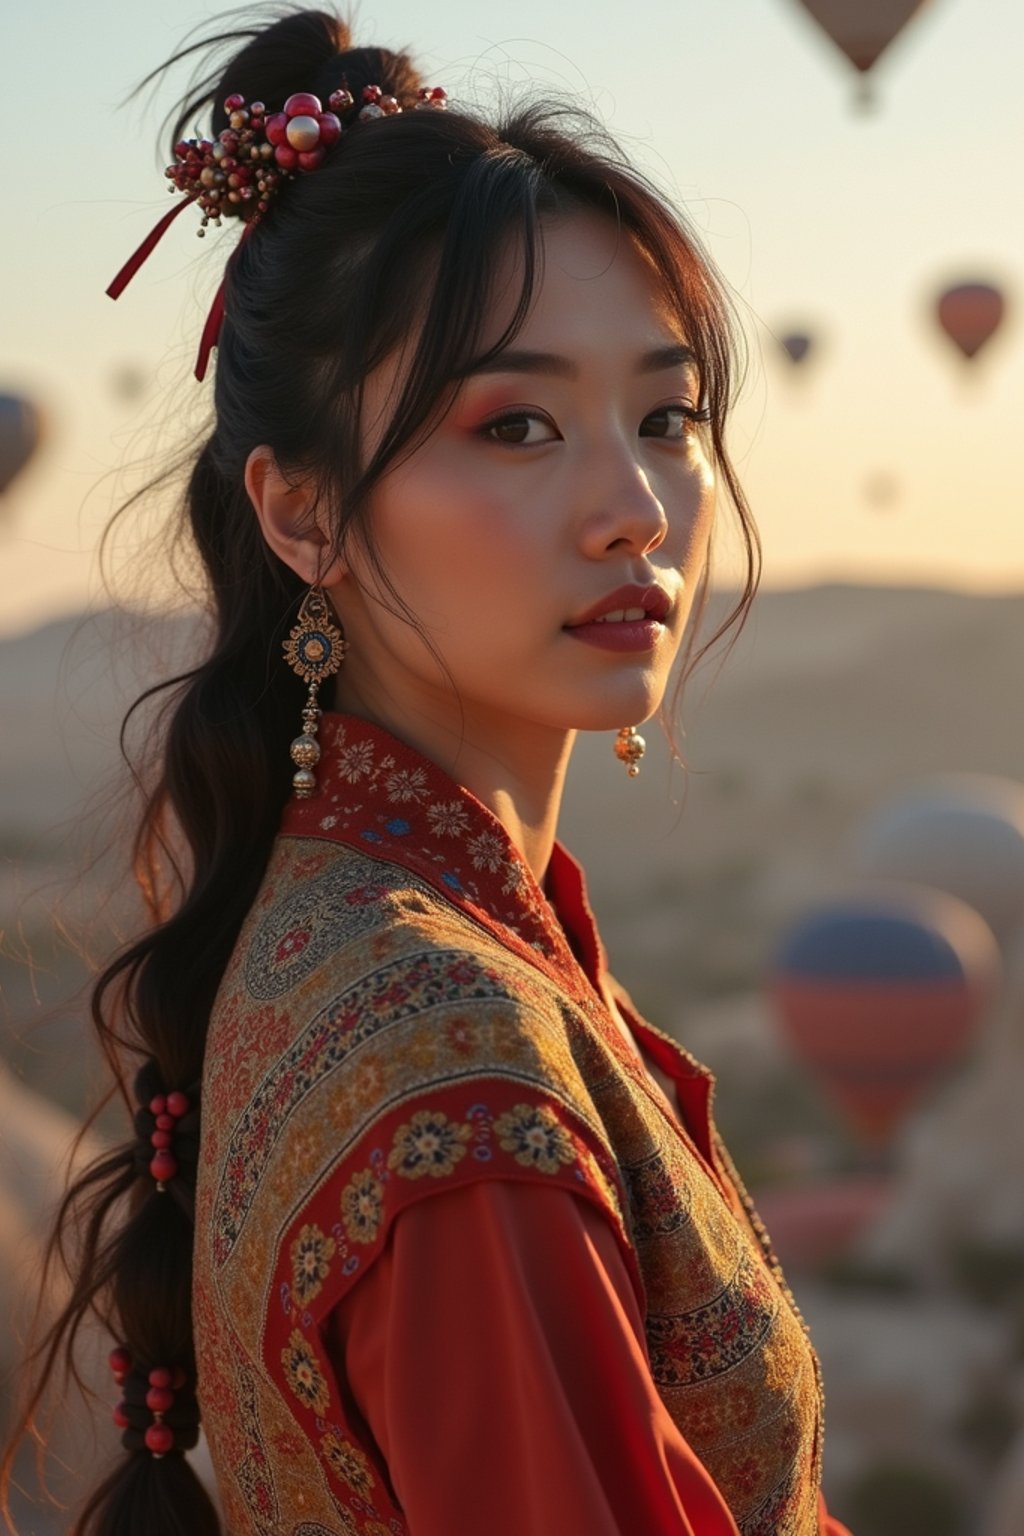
column 404, row 1013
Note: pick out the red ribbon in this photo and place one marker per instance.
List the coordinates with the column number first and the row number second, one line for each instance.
column 148, row 245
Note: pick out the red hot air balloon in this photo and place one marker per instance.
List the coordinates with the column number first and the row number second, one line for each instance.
column 970, row 313
column 862, row 29
column 880, row 993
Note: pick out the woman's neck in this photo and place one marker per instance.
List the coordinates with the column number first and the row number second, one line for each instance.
column 518, row 774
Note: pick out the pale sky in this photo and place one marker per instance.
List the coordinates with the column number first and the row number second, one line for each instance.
column 818, row 215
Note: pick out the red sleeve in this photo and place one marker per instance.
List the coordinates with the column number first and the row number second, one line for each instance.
column 495, row 1350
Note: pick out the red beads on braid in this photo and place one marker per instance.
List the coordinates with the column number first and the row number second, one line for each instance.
column 168, row 1110
column 162, row 1385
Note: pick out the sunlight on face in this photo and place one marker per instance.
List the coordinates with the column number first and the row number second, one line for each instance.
column 568, row 469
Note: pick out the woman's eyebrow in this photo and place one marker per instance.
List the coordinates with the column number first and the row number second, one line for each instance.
column 552, row 363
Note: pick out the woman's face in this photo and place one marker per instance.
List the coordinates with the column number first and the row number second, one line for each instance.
column 566, row 471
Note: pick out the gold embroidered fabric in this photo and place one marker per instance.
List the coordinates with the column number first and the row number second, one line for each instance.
column 403, row 1013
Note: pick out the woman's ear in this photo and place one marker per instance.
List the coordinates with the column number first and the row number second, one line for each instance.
column 284, row 511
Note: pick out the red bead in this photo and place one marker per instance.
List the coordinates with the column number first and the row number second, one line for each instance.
column 311, row 159
column 286, row 157
column 160, row 1376
column 159, row 1439
column 330, row 129
column 276, row 128
column 163, row 1166
column 161, row 1139
column 120, row 1361
column 181, row 149
column 165, row 1122
column 158, row 1104
column 257, row 109
column 159, row 1399
column 372, row 93
column 121, row 1417
column 438, row 93
column 177, row 1104
column 232, row 103
column 303, row 104
column 341, row 100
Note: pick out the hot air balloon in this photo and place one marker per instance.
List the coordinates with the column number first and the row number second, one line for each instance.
column 959, row 832
column 862, row 29
column 796, row 345
column 970, row 313
column 20, row 431
column 880, row 993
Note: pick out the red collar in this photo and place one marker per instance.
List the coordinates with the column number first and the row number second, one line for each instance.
column 379, row 795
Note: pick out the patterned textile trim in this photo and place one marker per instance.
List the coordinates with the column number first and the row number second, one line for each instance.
column 429, row 1144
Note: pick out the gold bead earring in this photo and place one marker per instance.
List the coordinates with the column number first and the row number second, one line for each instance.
column 629, row 749
column 315, row 649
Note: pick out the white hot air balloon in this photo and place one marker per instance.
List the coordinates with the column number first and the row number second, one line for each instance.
column 959, row 832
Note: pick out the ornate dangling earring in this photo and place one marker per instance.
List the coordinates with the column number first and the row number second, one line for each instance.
column 315, row 649
column 629, row 749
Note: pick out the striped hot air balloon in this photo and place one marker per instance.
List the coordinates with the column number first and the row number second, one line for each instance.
column 880, row 993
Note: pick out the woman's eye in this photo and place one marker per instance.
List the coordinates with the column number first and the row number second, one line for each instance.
column 672, row 421
column 519, row 429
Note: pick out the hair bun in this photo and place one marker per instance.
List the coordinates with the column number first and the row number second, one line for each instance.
column 305, row 50
column 293, row 54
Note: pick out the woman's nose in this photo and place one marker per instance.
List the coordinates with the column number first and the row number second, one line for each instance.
column 625, row 513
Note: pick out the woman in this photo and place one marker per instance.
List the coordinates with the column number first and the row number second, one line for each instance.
column 432, row 1226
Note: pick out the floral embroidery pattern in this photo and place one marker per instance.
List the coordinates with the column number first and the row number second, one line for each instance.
column 356, row 762
column 448, row 818
column 534, row 1135
column 486, row 851
column 311, row 1253
column 362, row 1203
column 429, row 1144
column 406, row 784
column 348, row 1461
column 302, row 1373
column 704, row 1343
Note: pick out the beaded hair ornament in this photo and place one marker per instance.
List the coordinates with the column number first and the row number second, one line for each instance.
column 239, row 173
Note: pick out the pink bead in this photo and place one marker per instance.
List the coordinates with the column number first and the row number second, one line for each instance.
column 120, row 1416
column 161, row 1139
column 159, row 1439
column 120, row 1361
column 232, row 103
column 286, row 157
column 159, row 1399
column 330, row 129
column 163, row 1166
column 276, row 127
column 158, row 1104
column 303, row 104
column 161, row 1376
column 177, row 1103
column 311, row 160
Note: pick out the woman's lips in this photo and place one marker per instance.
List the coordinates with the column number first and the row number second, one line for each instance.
column 619, row 634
